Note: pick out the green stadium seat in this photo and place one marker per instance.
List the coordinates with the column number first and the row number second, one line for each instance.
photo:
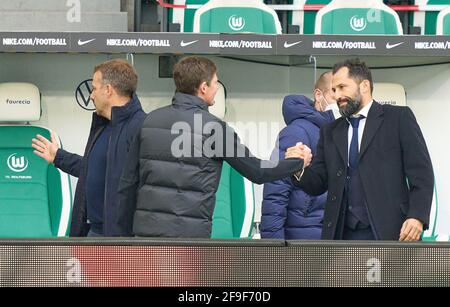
column 185, row 17
column 236, row 16
column 307, row 19
column 431, row 17
column 355, row 17
column 35, row 197
column 417, row 18
column 235, row 205
column 443, row 22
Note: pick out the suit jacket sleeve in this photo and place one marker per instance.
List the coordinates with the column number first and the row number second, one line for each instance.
column 418, row 168
column 314, row 180
column 68, row 162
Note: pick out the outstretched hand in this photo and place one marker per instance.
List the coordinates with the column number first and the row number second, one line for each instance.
column 44, row 148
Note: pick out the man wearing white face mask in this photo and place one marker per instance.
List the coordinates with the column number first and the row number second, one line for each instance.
column 324, row 97
column 287, row 211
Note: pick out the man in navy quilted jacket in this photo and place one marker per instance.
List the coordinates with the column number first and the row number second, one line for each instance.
column 115, row 123
column 287, row 211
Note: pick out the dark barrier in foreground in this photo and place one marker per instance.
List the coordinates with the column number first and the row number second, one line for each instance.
column 221, row 263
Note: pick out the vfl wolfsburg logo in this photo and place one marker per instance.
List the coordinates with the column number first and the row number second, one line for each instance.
column 17, row 164
column 236, row 23
column 358, row 24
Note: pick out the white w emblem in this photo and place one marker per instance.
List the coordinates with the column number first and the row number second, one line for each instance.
column 236, row 23
column 358, row 24
column 17, row 165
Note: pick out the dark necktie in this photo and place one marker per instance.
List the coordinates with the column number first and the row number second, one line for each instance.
column 354, row 151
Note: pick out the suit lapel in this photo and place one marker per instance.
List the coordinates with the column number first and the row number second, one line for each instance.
column 374, row 121
column 340, row 138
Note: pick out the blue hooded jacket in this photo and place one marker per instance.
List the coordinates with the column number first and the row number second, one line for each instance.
column 287, row 211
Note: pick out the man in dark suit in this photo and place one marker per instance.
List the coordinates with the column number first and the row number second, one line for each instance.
column 374, row 163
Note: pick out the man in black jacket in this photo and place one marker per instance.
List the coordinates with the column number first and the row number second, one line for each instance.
column 115, row 123
column 374, row 163
column 169, row 184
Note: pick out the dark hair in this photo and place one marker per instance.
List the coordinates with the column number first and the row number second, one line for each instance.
column 120, row 74
column 357, row 70
column 191, row 72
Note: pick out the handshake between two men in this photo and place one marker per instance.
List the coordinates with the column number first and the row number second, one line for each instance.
column 300, row 151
